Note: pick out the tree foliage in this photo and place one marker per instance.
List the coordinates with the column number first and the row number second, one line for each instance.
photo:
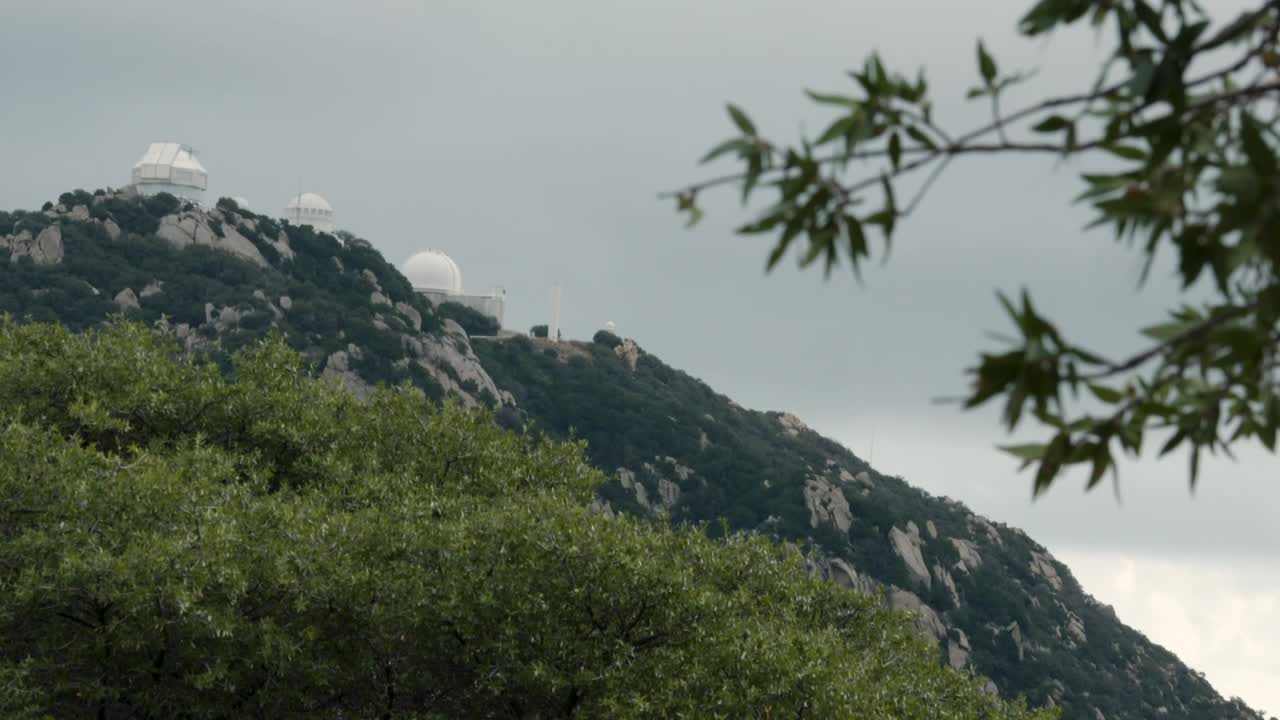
column 1181, row 120
column 176, row 542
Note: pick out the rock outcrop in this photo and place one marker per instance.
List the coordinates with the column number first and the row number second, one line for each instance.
column 827, row 504
column 127, row 300
column 926, row 618
column 45, row 248
column 185, row 229
column 629, row 352
column 906, row 544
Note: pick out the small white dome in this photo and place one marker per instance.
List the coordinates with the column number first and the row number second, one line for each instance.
column 611, row 326
column 309, row 201
column 433, row 271
column 312, row 209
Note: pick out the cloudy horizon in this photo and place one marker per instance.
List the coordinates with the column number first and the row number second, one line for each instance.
column 530, row 142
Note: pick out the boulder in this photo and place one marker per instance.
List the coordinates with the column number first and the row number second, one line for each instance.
column 281, row 244
column 907, row 546
column 377, row 298
column 827, row 504
column 1014, row 631
column 926, row 618
column 80, row 213
column 668, row 493
column 286, row 302
column 1075, row 626
column 338, row 367
column 941, row 575
column 842, row 573
column 43, row 249
column 791, row 424
column 228, row 316
column 1042, row 565
column 113, row 230
column 629, row 352
column 183, row 230
column 958, row 648
column 968, row 552
column 411, row 314
column 127, row 300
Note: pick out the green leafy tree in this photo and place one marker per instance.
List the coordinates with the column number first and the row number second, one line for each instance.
column 1188, row 163
column 180, row 542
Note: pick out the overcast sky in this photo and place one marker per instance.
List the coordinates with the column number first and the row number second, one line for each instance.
column 529, row 141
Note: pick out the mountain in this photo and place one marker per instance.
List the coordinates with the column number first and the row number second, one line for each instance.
column 674, row 449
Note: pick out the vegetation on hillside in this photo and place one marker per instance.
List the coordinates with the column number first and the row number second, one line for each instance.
column 656, row 425
column 180, row 541
column 327, row 281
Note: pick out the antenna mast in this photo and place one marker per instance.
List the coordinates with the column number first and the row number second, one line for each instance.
column 553, row 331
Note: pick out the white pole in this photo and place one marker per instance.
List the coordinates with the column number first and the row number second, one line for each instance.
column 553, row 330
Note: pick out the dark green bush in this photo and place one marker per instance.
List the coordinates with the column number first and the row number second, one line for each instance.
column 161, row 204
column 471, row 320
column 607, row 339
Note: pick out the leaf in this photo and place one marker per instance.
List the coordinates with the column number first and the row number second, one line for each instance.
column 1029, row 452
column 1053, row 123
column 741, row 120
column 895, row 151
column 986, row 65
column 722, row 148
column 826, row 99
column 1151, row 19
column 921, row 137
column 1111, row 396
column 1164, row 331
column 1128, row 152
column 1261, row 158
column 841, row 127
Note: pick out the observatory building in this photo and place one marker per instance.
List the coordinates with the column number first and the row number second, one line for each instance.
column 312, row 209
column 171, row 168
column 437, row 277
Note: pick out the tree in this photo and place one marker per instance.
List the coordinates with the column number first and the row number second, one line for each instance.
column 538, row 331
column 1192, row 166
column 176, row 542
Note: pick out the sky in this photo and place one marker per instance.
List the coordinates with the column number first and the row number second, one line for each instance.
column 530, row 142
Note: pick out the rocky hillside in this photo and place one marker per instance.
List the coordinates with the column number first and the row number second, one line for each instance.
column 218, row 279
column 990, row 596
column 221, row 278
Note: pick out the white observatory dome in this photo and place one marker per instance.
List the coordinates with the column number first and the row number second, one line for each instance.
column 312, row 209
column 433, row 271
column 611, row 326
column 171, row 168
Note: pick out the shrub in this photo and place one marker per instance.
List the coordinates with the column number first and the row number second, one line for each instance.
column 607, row 339
column 471, row 320
column 161, row 204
